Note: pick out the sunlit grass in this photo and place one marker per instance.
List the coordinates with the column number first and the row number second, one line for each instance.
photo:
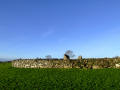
column 51, row 79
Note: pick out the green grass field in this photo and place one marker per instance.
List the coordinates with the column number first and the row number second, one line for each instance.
column 58, row 79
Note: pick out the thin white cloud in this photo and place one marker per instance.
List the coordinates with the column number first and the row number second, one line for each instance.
column 48, row 33
column 62, row 40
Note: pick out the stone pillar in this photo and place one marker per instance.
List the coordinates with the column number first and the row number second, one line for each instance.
column 66, row 62
column 66, row 57
column 80, row 58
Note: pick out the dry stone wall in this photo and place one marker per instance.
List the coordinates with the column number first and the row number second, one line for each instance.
column 67, row 63
column 41, row 64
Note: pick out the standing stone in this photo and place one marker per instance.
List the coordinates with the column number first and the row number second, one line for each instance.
column 66, row 57
column 80, row 58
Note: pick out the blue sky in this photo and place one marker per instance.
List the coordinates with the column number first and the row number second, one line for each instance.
column 35, row 28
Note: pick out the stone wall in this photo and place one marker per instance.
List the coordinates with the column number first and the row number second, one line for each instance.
column 67, row 63
column 41, row 63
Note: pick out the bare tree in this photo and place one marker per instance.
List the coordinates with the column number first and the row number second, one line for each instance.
column 48, row 57
column 70, row 53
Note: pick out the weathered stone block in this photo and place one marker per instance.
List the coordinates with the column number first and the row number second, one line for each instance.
column 66, row 57
column 117, row 65
column 95, row 67
column 80, row 58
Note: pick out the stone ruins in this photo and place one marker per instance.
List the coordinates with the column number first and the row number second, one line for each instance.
column 66, row 62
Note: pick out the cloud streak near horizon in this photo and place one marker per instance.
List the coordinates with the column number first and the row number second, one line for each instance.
column 48, row 33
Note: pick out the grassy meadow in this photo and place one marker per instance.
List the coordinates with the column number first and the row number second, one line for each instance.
column 58, row 79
